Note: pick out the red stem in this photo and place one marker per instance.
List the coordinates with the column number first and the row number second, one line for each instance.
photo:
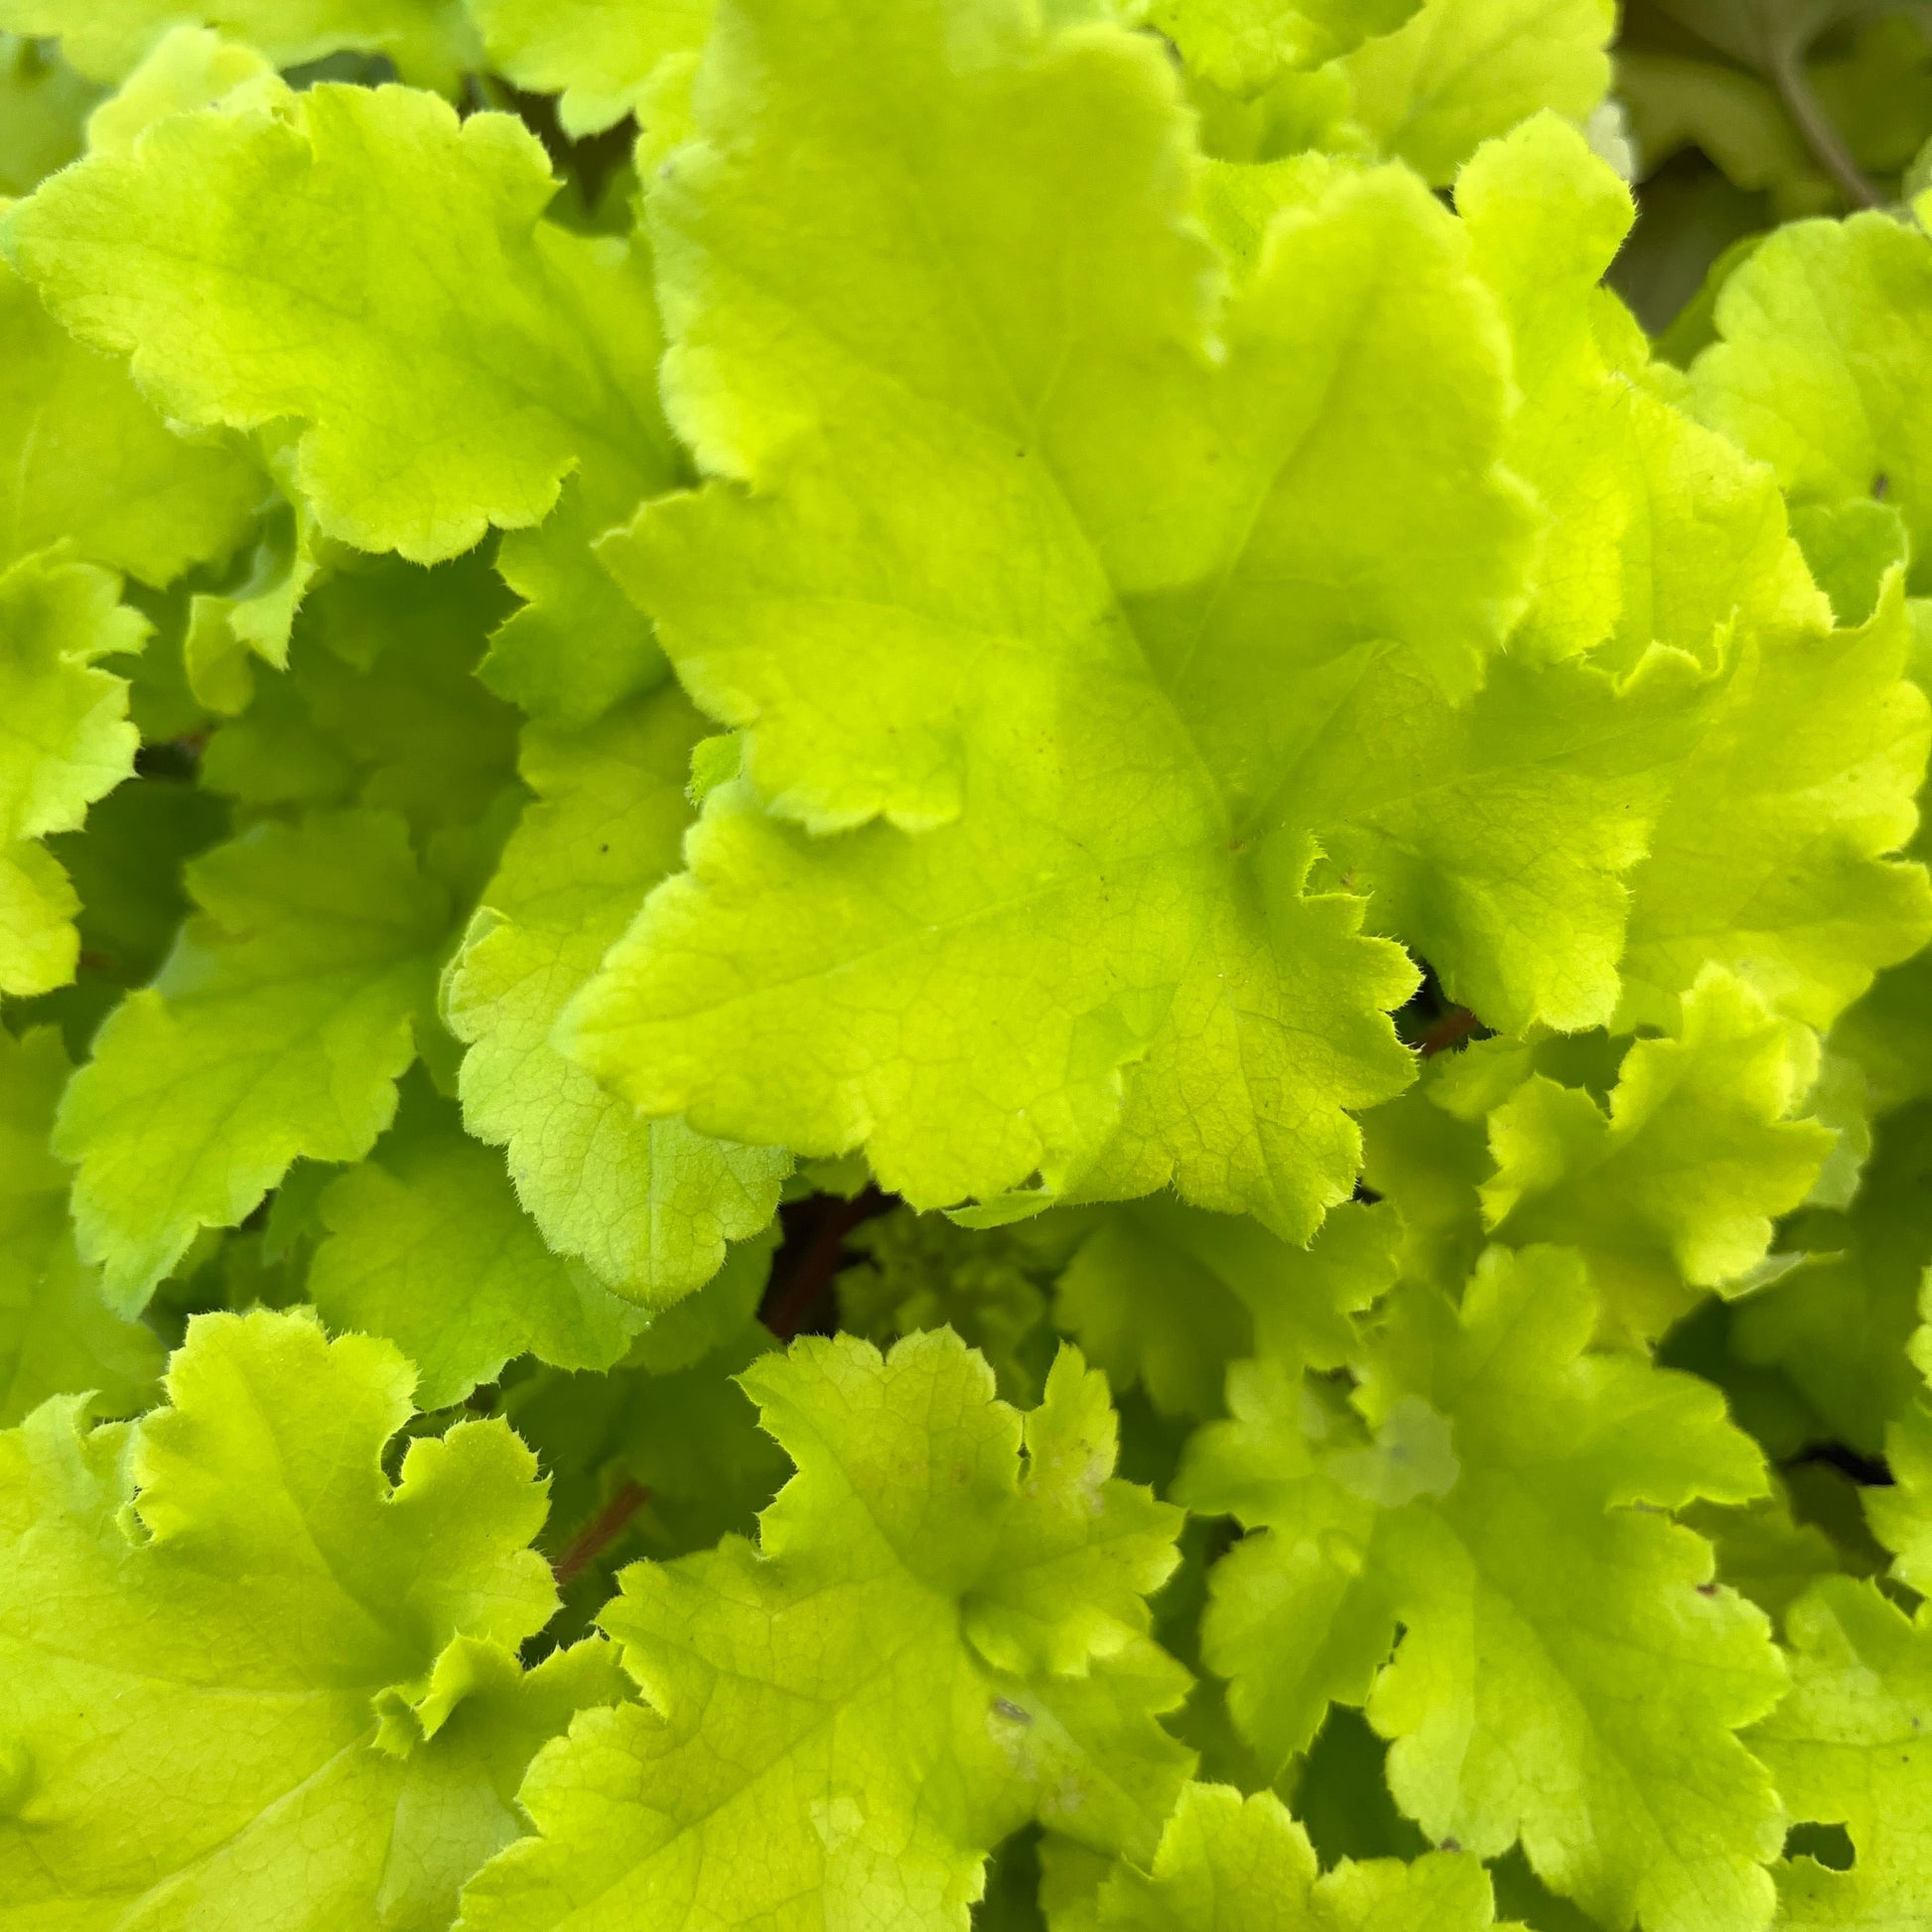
column 599, row 1533
column 793, row 1306
column 1452, row 1030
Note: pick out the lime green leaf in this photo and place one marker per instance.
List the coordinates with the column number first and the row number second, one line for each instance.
column 1770, row 855
column 1850, row 547
column 1166, row 1295
column 189, row 67
column 1730, row 116
column 647, row 1204
column 64, row 742
column 1494, row 838
column 1428, row 1162
column 379, row 706
column 605, row 58
column 1838, row 1326
column 1077, row 900
column 827, row 1697
column 348, row 219
column 1676, row 1187
column 1242, row 47
column 1888, row 1033
column 1232, row 1865
column 127, row 867
column 1763, row 1552
column 1852, row 1745
column 1461, row 72
column 278, row 1027
column 254, row 616
column 85, row 459
column 1662, row 533
column 688, row 1437
column 427, row 1246
column 249, row 1681
column 1821, row 372
column 429, row 39
column 1486, row 1500
column 57, row 1337
column 1902, row 1516
column 44, row 107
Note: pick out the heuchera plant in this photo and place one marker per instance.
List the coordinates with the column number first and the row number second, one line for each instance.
column 956, row 974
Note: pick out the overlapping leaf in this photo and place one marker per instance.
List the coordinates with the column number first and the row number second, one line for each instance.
column 349, row 222
column 1166, row 1295
column 1461, row 72
column 1819, row 369
column 603, row 60
column 1044, row 553
column 427, row 1245
column 250, row 1681
column 430, row 40
column 1849, row 1744
column 44, row 107
column 56, row 1336
column 1662, row 533
column 1230, row 1865
column 65, row 741
column 934, row 1639
column 1773, row 855
column 85, row 460
column 647, row 1204
column 1839, row 1323
column 1678, row 1185
column 1486, row 1500
column 278, row 1027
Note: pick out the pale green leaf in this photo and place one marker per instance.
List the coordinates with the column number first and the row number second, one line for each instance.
column 1772, row 856
column 248, row 1682
column 85, row 459
column 1838, row 1326
column 44, row 107
column 1852, row 1745
column 64, row 742
column 57, row 1337
column 1081, row 592
column 277, row 1028
column 427, row 1245
column 1677, row 1186
column 604, row 57
column 1461, row 72
column 429, row 39
column 1428, row 1162
column 1166, row 1295
column 1495, row 838
column 348, row 219
column 1242, row 47
column 189, row 67
column 1662, row 533
column 1820, row 367
column 822, row 1695
column 1502, row 1497
column 646, row 1203
column 1232, row 1865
